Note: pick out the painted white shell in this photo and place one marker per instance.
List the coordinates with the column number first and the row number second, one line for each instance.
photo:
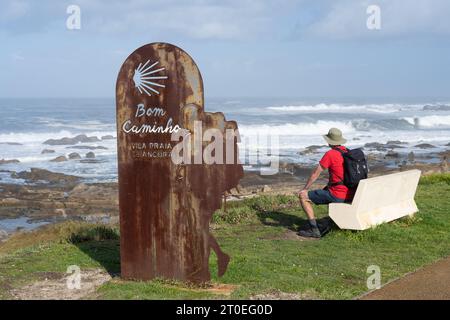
column 144, row 77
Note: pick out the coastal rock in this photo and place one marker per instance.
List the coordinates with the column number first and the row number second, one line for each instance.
column 3, row 161
column 301, row 171
column 54, row 195
column 372, row 157
column 9, row 201
column 88, row 147
column 90, row 155
column 393, row 146
column 95, row 194
column 375, row 145
column 396, row 142
column 286, row 167
column 383, row 147
column 12, row 143
column 84, row 138
column 74, row 156
column 425, row 146
column 62, row 141
column 59, row 159
column 91, row 161
column 426, row 168
column 108, row 137
column 444, row 154
column 254, row 181
column 392, row 154
column 36, row 174
column 3, row 235
column 60, row 212
column 310, row 149
column 68, row 141
column 305, row 152
column 236, row 191
column 46, row 151
column 411, row 157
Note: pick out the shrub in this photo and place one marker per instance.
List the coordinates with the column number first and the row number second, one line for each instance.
column 97, row 233
column 248, row 209
column 234, row 215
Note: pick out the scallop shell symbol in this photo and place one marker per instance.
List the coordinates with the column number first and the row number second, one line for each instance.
column 145, row 75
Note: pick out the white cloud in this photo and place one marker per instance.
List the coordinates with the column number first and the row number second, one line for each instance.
column 347, row 18
column 231, row 19
column 200, row 19
column 12, row 10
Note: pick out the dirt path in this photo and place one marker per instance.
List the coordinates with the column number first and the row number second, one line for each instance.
column 429, row 283
column 54, row 287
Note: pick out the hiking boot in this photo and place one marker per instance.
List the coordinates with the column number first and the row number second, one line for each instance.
column 312, row 232
column 324, row 226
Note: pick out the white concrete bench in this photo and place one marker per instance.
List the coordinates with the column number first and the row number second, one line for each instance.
column 378, row 200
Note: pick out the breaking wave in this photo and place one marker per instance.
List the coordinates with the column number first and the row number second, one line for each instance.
column 430, row 121
column 342, row 108
column 296, row 129
column 39, row 137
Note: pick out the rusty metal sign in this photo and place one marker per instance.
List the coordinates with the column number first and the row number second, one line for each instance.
column 168, row 189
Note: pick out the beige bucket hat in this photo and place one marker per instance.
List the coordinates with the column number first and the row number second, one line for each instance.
column 334, row 137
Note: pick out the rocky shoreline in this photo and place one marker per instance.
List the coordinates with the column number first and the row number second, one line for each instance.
column 65, row 198
column 50, row 196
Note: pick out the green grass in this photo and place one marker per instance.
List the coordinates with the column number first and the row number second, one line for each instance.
column 253, row 232
column 435, row 178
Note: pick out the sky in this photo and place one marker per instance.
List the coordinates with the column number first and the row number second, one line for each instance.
column 244, row 48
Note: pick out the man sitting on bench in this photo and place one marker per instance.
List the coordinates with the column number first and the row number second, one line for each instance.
column 335, row 191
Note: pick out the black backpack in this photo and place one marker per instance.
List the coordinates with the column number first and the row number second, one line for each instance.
column 355, row 167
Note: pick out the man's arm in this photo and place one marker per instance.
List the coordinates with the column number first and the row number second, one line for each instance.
column 316, row 173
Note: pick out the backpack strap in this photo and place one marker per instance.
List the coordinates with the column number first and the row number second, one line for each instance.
column 340, row 150
column 339, row 183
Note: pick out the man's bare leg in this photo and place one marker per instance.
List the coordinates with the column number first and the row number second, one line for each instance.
column 307, row 207
column 306, row 204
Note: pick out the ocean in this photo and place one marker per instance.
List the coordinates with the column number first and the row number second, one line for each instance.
column 26, row 123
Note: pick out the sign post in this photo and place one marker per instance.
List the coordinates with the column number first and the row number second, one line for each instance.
column 166, row 204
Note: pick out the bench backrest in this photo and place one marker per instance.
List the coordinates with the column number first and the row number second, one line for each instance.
column 383, row 191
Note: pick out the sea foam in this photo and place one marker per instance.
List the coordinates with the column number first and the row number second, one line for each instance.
column 296, row 129
column 442, row 121
column 343, row 108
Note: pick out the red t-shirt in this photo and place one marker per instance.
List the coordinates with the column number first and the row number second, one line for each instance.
column 334, row 162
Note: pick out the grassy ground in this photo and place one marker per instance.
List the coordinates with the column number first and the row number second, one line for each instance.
column 266, row 257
